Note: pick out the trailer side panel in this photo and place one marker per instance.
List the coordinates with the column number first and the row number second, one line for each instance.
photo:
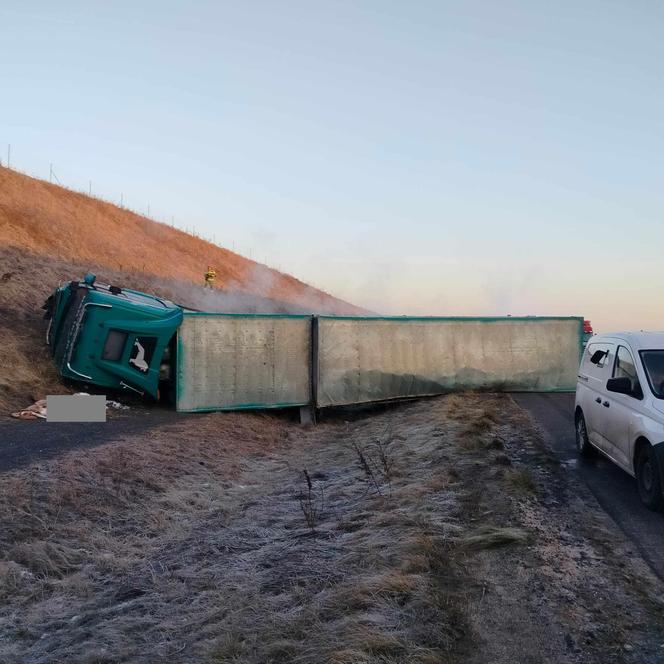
column 228, row 361
column 374, row 359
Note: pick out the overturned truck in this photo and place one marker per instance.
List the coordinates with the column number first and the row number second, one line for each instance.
column 118, row 338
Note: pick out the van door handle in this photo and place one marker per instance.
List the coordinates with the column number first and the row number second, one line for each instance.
column 606, row 404
column 598, row 400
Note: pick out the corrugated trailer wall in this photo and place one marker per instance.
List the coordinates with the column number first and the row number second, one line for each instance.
column 371, row 359
column 234, row 361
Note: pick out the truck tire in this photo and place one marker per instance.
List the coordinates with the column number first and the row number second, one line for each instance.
column 583, row 445
column 648, row 478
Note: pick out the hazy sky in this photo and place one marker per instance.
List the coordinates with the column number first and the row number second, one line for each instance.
column 412, row 157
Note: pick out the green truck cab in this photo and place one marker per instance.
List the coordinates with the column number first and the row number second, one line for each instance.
column 112, row 337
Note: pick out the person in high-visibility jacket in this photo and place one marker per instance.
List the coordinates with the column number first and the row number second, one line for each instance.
column 210, row 276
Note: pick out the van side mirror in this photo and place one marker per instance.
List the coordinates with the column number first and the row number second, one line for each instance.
column 598, row 356
column 621, row 385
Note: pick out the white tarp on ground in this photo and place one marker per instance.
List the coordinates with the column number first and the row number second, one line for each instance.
column 243, row 361
column 361, row 360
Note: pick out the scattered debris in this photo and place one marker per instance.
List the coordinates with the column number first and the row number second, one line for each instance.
column 35, row 412
column 116, row 405
column 38, row 409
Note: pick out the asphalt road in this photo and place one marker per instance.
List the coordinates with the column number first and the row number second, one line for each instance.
column 614, row 489
column 25, row 441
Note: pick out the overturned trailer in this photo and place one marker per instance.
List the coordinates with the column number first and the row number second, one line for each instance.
column 123, row 339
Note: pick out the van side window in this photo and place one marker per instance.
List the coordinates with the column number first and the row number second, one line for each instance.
column 595, row 348
column 625, row 368
column 596, row 368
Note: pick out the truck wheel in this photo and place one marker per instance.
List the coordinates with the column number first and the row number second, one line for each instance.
column 648, row 478
column 583, row 446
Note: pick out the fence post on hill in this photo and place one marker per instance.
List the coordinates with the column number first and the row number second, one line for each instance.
column 9, row 152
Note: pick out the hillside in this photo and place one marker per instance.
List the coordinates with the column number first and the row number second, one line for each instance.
column 46, row 219
column 49, row 235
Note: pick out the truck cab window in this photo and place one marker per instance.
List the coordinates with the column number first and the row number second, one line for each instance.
column 114, row 346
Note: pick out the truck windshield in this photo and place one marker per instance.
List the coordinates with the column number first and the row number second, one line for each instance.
column 653, row 362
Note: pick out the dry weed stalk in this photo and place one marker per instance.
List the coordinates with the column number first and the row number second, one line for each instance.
column 377, row 464
column 311, row 505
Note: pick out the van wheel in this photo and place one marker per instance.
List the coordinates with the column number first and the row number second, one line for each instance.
column 648, row 479
column 583, row 446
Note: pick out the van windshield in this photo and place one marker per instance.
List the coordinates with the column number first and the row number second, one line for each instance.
column 653, row 362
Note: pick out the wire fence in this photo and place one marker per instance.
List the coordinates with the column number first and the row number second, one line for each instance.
column 7, row 161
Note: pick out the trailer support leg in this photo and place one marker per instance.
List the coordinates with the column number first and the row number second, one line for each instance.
column 307, row 415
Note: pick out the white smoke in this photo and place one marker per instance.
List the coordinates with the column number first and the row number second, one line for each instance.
column 250, row 296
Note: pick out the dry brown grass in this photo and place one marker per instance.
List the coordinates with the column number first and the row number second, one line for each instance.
column 490, row 537
column 521, row 481
column 57, row 223
column 200, row 545
column 26, row 372
column 191, row 545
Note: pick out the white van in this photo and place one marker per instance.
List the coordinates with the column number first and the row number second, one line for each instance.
column 620, row 406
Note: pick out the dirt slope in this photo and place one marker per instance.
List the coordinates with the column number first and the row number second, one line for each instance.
column 46, row 219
